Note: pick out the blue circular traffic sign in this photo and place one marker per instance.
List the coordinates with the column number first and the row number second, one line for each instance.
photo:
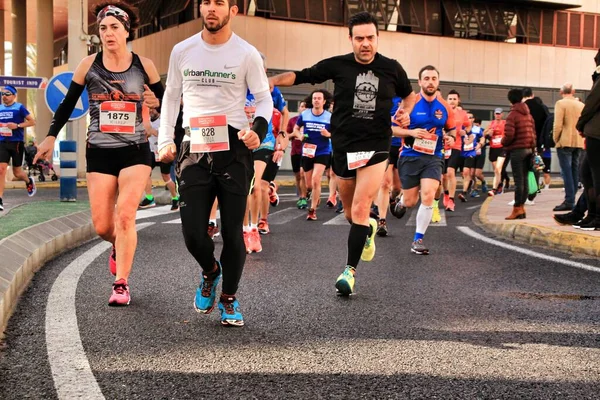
column 56, row 90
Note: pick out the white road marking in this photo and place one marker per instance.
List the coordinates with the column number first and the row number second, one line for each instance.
column 412, row 221
column 286, row 215
column 338, row 220
column 473, row 207
column 71, row 371
column 63, row 89
column 469, row 232
column 153, row 212
column 174, row 221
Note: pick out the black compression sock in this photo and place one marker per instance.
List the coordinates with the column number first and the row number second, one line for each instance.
column 356, row 242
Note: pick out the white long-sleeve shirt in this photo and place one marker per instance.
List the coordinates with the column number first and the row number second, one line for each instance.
column 214, row 80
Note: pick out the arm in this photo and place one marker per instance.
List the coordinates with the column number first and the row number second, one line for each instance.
column 258, row 84
column 559, row 114
column 155, row 91
column 318, row 73
column 170, row 110
column 405, row 92
column 29, row 121
column 592, row 105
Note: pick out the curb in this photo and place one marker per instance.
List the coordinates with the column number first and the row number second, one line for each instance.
column 26, row 251
column 572, row 242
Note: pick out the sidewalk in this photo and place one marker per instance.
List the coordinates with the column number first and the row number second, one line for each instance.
column 539, row 228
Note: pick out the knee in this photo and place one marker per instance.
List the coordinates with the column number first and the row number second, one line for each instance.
column 125, row 221
column 104, row 229
column 360, row 211
column 409, row 202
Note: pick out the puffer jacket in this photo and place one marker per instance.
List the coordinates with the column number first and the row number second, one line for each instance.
column 589, row 122
column 519, row 131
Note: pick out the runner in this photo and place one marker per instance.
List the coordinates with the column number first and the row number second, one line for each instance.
column 495, row 132
column 316, row 149
column 214, row 70
column 118, row 153
column 422, row 156
column 479, row 160
column 365, row 83
column 390, row 186
column 470, row 145
column 13, row 118
column 296, row 158
column 455, row 162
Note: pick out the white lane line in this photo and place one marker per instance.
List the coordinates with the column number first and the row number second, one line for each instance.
column 71, row 371
column 412, row 221
column 286, row 215
column 469, row 232
column 174, row 221
column 153, row 212
column 473, row 207
column 338, row 220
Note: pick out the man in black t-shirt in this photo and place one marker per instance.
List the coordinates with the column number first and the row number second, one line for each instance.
column 365, row 84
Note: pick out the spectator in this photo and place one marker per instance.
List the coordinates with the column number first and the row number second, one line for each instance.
column 569, row 145
column 519, row 140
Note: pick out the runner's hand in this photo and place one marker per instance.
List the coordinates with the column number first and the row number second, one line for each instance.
column 271, row 84
column 325, row 133
column 45, row 149
column 150, row 99
column 402, row 118
column 12, row 125
column 277, row 156
column 449, row 140
column 419, row 133
column 167, row 154
column 250, row 139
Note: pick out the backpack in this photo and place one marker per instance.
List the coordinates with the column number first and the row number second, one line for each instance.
column 546, row 138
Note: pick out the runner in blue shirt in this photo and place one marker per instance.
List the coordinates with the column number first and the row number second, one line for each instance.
column 13, row 118
column 316, row 149
column 422, row 157
column 468, row 152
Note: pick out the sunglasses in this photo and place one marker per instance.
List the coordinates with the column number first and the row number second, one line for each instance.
column 6, row 94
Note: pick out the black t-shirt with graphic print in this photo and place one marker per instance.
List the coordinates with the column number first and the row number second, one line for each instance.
column 362, row 99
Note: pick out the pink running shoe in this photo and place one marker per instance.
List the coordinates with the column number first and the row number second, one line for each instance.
column 120, row 294
column 112, row 261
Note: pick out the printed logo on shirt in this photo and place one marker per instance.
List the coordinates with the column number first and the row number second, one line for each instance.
column 365, row 95
column 438, row 114
column 208, row 74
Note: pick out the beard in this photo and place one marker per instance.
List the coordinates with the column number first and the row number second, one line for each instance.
column 429, row 91
column 217, row 28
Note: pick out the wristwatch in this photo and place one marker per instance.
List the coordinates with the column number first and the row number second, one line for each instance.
column 19, row 126
column 282, row 134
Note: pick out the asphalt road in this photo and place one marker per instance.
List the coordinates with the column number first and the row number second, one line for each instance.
column 470, row 321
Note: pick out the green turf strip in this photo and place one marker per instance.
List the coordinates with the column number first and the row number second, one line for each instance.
column 33, row 213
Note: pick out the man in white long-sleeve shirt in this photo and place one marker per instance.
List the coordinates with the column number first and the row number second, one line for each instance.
column 213, row 70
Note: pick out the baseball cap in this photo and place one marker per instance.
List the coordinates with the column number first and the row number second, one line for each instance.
column 498, row 111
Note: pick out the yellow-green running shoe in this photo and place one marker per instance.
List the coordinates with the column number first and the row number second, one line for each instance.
column 345, row 282
column 436, row 217
column 369, row 250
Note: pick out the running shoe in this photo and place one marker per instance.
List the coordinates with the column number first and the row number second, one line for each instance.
column 263, row 226
column 273, row 196
column 340, row 207
column 247, row 242
column 592, row 225
column 331, row 202
column 474, row 193
column 308, row 195
column 484, row 187
column 174, row 204
column 147, row 203
column 112, row 261
column 1, row 205
column 254, row 245
column 382, row 229
column 491, row 193
column 436, row 216
column 500, row 189
column 206, row 293
column 399, row 210
column 120, row 294
column 446, row 199
column 231, row 314
column 419, row 248
column 369, row 250
column 450, row 205
column 302, row 204
column 577, row 225
column 312, row 215
column 213, row 230
column 462, row 198
column 31, row 189
column 345, row 282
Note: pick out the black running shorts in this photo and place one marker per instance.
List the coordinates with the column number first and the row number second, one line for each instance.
column 456, row 161
column 340, row 163
column 111, row 161
column 12, row 150
column 309, row 163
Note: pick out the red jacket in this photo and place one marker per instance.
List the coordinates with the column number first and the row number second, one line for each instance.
column 519, row 131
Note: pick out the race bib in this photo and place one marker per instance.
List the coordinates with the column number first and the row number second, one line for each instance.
column 358, row 159
column 469, row 147
column 118, row 117
column 309, row 150
column 426, row 145
column 497, row 141
column 447, row 153
column 209, row 134
column 5, row 130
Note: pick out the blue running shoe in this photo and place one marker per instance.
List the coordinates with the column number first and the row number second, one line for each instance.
column 206, row 294
column 231, row 315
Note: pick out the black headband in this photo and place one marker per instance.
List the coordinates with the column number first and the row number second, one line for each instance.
column 114, row 11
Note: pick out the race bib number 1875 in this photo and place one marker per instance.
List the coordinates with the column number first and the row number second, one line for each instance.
column 118, row 117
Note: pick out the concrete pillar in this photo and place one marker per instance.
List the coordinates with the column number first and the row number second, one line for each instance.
column 19, row 42
column 2, row 39
column 78, row 51
column 44, row 68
